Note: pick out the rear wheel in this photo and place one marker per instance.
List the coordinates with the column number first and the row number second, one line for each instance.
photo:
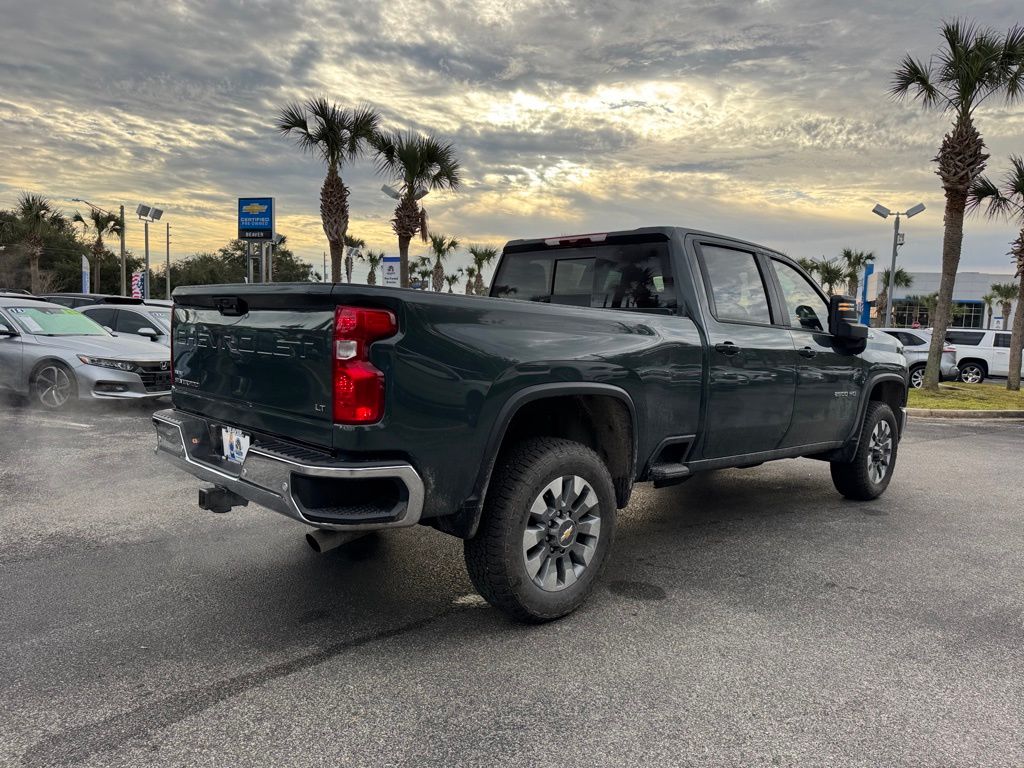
column 867, row 476
column 546, row 530
column 972, row 373
column 53, row 386
column 917, row 376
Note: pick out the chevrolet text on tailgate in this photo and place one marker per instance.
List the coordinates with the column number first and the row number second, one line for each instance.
column 520, row 422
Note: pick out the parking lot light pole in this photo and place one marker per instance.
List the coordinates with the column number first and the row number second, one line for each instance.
column 881, row 210
column 147, row 214
column 124, row 260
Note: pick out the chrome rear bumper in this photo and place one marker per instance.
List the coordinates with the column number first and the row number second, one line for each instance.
column 273, row 480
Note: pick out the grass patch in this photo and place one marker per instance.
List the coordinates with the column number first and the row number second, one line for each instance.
column 968, row 397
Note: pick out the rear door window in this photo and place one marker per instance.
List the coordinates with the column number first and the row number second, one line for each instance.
column 103, row 316
column 129, row 321
column 966, row 338
column 735, row 285
column 1002, row 340
column 635, row 276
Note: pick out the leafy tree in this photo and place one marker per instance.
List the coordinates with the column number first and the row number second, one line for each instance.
column 228, row 265
column 1007, row 202
column 36, row 218
column 373, row 259
column 1005, row 293
column 831, row 272
column 903, row 280
column 416, row 165
column 100, row 224
column 338, row 136
column 482, row 256
column 441, row 247
column 972, row 65
column 855, row 262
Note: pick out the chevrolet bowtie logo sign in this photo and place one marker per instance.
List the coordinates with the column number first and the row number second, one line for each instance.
column 254, row 208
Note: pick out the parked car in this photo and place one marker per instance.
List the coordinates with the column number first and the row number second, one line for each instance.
column 148, row 320
column 521, row 422
column 915, row 348
column 981, row 353
column 55, row 355
column 74, row 300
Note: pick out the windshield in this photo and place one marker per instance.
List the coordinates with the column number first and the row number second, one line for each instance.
column 54, row 321
column 162, row 316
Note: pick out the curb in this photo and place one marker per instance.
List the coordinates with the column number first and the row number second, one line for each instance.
column 939, row 413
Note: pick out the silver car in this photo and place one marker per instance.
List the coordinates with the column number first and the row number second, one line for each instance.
column 915, row 348
column 55, row 355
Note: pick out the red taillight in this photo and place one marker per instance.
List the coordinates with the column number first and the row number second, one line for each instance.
column 358, row 385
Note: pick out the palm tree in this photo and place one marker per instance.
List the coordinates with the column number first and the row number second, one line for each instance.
column 36, row 218
column 471, row 273
column 417, row 165
column 1005, row 293
column 810, row 266
column 452, row 279
column 338, row 136
column 482, row 256
column 973, row 64
column 1007, row 202
column 102, row 224
column 831, row 273
column 903, row 280
column 989, row 300
column 424, row 273
column 442, row 247
column 373, row 260
column 855, row 261
column 351, row 244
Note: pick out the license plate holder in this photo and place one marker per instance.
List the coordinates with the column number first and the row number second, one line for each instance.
column 235, row 444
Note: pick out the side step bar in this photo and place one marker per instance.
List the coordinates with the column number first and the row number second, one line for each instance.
column 669, row 474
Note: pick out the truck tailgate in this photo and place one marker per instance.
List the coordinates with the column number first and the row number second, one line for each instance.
column 256, row 357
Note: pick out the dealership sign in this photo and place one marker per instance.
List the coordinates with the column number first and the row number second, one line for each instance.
column 391, row 267
column 255, row 218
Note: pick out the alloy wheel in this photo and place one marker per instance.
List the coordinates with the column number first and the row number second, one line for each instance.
column 880, row 452
column 561, row 533
column 53, row 386
column 970, row 374
column 917, row 378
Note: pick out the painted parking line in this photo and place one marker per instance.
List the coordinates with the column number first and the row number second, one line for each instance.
column 64, row 423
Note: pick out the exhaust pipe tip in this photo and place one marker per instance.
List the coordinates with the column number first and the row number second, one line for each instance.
column 321, row 540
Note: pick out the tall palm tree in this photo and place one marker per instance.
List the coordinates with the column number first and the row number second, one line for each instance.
column 352, row 244
column 452, row 279
column 810, row 266
column 831, row 272
column 973, row 64
column 989, row 299
column 855, row 261
column 101, row 224
column 416, row 165
column 482, row 256
column 337, row 136
column 37, row 217
column 373, row 260
column 471, row 273
column 441, row 247
column 1007, row 202
column 902, row 280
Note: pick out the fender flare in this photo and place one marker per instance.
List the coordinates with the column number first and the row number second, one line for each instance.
column 471, row 510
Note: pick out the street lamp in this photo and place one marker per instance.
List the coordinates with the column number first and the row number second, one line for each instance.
column 147, row 214
column 124, row 262
column 897, row 240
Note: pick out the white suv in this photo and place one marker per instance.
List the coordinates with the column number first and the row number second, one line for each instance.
column 981, row 353
column 915, row 348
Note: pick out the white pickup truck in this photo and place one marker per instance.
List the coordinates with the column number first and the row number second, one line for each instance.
column 981, row 353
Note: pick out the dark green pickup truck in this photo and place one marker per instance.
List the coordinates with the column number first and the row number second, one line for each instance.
column 520, row 422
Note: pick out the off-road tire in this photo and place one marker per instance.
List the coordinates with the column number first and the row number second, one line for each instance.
column 853, row 478
column 494, row 556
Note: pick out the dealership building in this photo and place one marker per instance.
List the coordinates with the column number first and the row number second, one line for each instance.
column 969, row 309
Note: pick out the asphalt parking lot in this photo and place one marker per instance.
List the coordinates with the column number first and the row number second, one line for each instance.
column 747, row 618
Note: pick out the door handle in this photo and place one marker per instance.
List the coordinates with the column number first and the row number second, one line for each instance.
column 807, row 352
column 728, row 348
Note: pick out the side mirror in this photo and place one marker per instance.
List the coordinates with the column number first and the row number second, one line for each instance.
column 844, row 324
column 7, row 332
column 149, row 333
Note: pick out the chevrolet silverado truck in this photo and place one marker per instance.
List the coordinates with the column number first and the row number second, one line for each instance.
column 521, row 421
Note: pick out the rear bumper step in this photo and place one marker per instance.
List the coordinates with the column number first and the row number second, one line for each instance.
column 340, row 496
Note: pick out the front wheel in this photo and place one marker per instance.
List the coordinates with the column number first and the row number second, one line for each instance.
column 54, row 386
column 867, row 476
column 546, row 530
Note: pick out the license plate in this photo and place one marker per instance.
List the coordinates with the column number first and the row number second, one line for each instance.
column 236, row 444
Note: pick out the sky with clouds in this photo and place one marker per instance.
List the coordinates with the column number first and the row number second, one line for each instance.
column 766, row 119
